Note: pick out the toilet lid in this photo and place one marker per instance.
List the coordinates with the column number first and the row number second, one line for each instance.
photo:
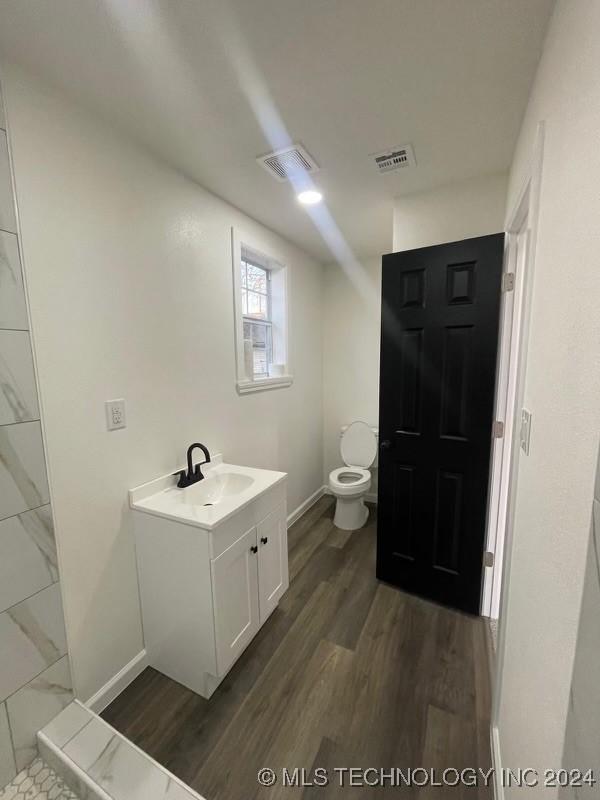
column 359, row 445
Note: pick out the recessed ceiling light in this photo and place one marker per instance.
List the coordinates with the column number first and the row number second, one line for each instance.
column 310, row 197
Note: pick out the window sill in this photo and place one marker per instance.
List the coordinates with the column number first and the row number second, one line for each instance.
column 260, row 385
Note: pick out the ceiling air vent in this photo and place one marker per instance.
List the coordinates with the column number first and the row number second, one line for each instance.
column 284, row 164
column 394, row 158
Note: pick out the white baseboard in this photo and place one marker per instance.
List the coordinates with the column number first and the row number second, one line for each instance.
column 113, row 688
column 496, row 763
column 303, row 507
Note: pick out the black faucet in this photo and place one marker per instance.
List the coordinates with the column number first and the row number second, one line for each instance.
column 193, row 474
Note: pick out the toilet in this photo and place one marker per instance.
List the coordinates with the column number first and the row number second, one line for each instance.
column 349, row 484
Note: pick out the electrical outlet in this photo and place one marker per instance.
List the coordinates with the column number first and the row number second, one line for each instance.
column 525, row 431
column 115, row 414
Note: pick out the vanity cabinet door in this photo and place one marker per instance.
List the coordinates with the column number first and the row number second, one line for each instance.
column 235, row 597
column 272, row 561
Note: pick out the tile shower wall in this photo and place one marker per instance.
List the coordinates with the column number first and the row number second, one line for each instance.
column 35, row 679
column 583, row 718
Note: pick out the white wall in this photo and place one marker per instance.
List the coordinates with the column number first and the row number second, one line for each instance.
column 350, row 355
column 351, row 326
column 128, row 267
column 555, row 484
column 450, row 213
column 583, row 717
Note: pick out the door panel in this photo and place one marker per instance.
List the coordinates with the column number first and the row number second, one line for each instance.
column 455, row 381
column 448, row 520
column 404, row 516
column 235, row 592
column 410, row 380
column 272, row 561
column 439, row 334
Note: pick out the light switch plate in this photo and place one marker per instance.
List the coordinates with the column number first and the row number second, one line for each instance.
column 115, row 414
column 525, row 430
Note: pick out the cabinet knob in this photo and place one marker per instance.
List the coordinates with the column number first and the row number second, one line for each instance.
column 264, row 539
column 254, row 549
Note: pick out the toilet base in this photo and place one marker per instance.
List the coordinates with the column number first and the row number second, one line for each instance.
column 351, row 513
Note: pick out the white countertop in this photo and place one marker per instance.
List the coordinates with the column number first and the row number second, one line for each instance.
column 225, row 490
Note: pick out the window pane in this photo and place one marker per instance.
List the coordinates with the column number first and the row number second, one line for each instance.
column 244, row 301
column 262, row 347
column 243, row 274
column 260, row 363
column 256, row 278
column 254, row 304
column 264, row 306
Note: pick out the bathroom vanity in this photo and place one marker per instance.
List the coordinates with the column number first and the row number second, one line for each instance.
column 212, row 565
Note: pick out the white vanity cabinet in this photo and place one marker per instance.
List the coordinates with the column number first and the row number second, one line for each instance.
column 205, row 592
column 247, row 581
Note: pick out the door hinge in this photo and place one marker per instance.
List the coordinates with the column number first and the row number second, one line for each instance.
column 508, row 281
column 488, row 559
column 498, row 429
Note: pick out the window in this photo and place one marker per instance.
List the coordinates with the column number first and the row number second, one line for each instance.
column 256, row 309
column 260, row 286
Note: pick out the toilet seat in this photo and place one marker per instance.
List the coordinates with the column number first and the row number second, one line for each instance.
column 349, row 481
column 358, row 445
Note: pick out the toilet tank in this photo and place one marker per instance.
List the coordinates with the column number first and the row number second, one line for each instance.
column 375, row 430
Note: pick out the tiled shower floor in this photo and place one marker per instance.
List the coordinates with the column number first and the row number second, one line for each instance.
column 37, row 782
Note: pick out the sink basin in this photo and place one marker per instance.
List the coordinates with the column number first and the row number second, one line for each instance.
column 226, row 489
column 216, row 487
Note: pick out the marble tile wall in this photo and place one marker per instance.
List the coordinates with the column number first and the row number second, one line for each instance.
column 35, row 679
column 583, row 719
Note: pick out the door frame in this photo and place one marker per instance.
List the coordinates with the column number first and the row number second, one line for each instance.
column 515, row 312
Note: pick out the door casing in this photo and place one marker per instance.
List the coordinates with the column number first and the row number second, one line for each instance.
column 521, row 222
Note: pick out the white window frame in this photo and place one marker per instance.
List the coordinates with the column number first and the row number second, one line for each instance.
column 279, row 313
column 266, row 322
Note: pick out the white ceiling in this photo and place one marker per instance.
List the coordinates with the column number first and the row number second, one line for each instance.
column 209, row 85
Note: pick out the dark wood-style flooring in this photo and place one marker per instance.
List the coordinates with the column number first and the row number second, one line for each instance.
column 347, row 672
